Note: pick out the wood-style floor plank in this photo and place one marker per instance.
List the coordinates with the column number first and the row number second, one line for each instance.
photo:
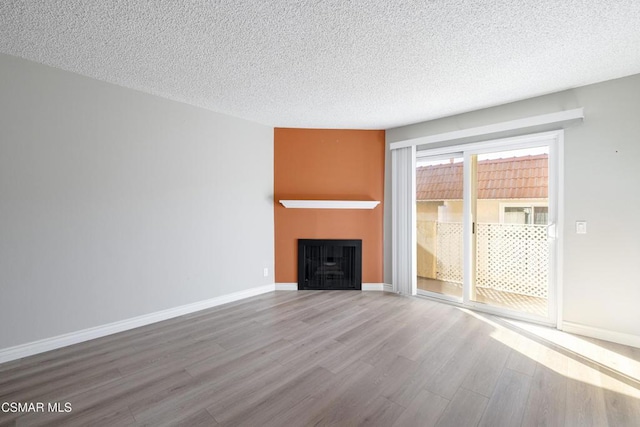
column 548, row 393
column 585, row 404
column 523, row 357
column 439, row 354
column 425, row 410
column 446, row 380
column 508, row 402
column 331, row 358
column 483, row 375
column 380, row 413
column 279, row 400
column 465, row 409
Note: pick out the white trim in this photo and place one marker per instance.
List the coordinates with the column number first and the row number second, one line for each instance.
column 286, row 286
column 469, row 209
column 330, row 204
column 47, row 344
column 603, row 334
column 559, row 258
column 531, row 140
column 373, row 287
column 440, row 297
column 388, row 287
column 560, row 117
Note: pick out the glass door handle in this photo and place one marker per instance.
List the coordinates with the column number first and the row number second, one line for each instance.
column 552, row 231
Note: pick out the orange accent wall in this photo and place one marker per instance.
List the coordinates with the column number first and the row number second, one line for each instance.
column 328, row 164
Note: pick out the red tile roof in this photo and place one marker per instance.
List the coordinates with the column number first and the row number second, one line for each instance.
column 523, row 177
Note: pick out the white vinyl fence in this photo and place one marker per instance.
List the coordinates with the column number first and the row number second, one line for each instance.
column 510, row 257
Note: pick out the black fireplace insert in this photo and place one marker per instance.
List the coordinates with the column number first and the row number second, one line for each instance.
column 329, row 264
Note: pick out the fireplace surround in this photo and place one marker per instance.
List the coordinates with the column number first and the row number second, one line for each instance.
column 329, row 264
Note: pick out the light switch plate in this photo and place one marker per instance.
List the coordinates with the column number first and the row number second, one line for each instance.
column 581, row 227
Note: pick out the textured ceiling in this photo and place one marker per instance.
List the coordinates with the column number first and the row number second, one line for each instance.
column 336, row 63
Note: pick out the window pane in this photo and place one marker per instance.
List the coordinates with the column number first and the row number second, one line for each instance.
column 516, row 215
column 540, row 215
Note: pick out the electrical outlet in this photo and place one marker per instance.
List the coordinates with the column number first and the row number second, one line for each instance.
column 265, row 272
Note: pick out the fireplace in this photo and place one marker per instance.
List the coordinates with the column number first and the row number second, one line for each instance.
column 329, row 264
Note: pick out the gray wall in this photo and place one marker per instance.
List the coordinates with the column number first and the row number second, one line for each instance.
column 602, row 173
column 115, row 203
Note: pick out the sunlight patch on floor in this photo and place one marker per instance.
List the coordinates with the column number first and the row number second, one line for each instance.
column 589, row 361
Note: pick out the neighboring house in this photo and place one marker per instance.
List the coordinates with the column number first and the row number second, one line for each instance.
column 511, row 190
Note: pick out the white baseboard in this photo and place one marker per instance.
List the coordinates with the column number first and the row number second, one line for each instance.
column 603, row 334
column 388, row 287
column 47, row 344
column 365, row 287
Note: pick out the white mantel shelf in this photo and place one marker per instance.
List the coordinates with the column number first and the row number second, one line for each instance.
column 330, row 204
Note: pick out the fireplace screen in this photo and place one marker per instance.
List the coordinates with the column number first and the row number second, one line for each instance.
column 329, row 264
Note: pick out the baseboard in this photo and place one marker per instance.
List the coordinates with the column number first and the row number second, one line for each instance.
column 603, row 334
column 47, row 344
column 373, row 287
column 388, row 287
column 365, row 287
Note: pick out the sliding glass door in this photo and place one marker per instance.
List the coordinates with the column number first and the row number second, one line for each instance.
column 486, row 225
column 511, row 212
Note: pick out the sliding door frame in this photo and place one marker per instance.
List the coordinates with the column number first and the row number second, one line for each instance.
column 555, row 141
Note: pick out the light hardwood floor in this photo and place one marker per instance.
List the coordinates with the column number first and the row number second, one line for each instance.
column 331, row 358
